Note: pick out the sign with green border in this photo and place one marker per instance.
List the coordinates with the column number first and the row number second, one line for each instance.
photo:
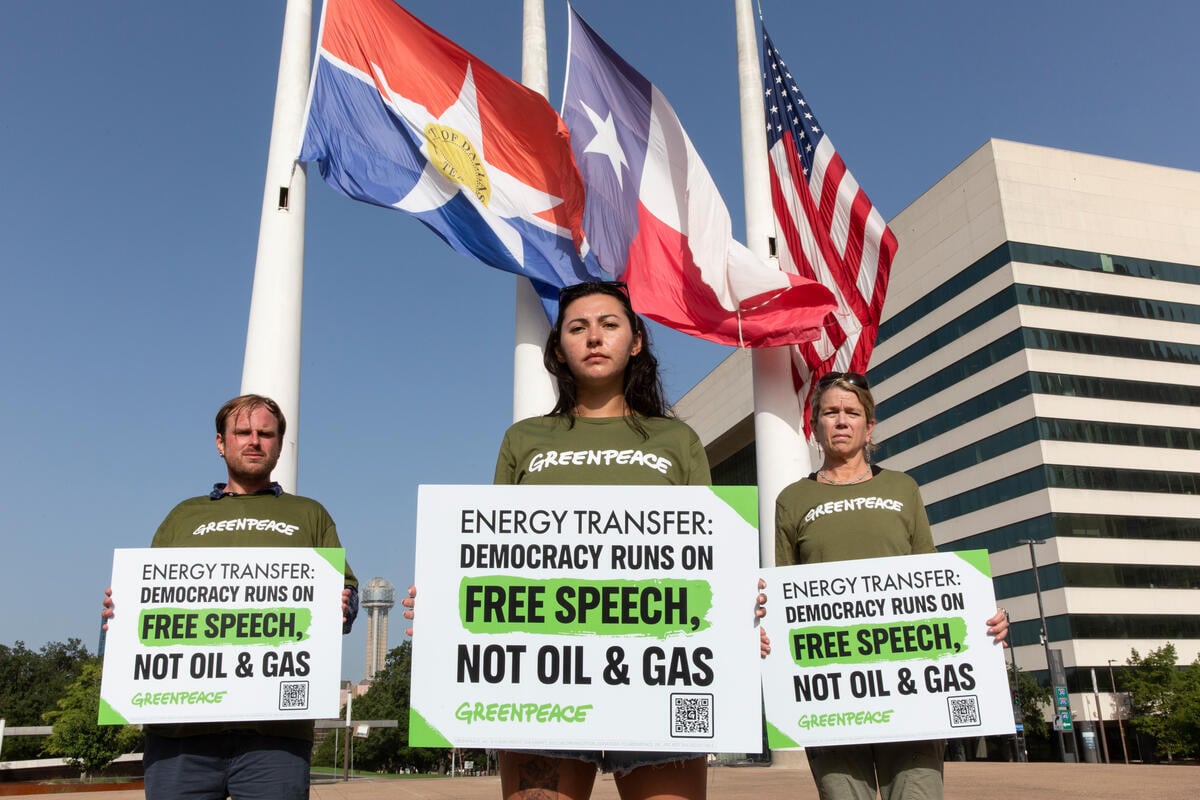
column 586, row 617
column 883, row 650
column 223, row 634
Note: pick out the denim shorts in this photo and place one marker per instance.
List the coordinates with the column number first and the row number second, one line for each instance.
column 618, row 762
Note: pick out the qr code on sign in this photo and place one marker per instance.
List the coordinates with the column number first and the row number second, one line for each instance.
column 293, row 696
column 964, row 711
column 692, row 716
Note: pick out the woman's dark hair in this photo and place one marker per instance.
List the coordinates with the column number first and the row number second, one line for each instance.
column 643, row 387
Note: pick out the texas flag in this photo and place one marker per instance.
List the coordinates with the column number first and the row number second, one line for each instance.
column 655, row 219
column 401, row 117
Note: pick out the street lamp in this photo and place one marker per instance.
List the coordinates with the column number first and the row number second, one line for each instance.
column 1100, row 720
column 1120, row 725
column 1037, row 588
column 1020, row 753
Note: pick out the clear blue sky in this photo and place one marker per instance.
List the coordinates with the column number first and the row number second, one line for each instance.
column 135, row 135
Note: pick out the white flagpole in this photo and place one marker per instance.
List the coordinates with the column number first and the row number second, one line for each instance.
column 534, row 392
column 782, row 453
column 272, row 362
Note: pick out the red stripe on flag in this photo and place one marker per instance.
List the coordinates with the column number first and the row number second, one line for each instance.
column 808, row 235
column 666, row 285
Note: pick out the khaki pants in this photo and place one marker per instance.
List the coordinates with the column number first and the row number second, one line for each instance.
column 894, row 770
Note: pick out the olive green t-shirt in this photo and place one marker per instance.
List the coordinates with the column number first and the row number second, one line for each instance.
column 817, row 523
column 601, row 451
column 250, row 520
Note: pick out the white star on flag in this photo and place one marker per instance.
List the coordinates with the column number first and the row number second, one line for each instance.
column 605, row 142
column 435, row 189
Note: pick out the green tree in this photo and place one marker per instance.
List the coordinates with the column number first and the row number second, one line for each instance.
column 1187, row 706
column 1031, row 697
column 1165, row 700
column 386, row 749
column 31, row 682
column 77, row 737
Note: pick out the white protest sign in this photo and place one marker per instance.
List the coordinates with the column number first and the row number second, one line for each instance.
column 597, row 617
column 223, row 634
column 883, row 650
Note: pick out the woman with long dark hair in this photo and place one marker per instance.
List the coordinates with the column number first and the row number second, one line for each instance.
column 611, row 409
column 610, row 426
column 610, row 397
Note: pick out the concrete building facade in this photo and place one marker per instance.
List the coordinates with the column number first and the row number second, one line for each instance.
column 1038, row 373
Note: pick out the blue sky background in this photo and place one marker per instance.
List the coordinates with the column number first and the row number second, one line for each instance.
column 135, row 135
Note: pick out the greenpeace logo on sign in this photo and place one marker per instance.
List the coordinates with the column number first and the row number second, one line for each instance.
column 521, row 712
column 846, row 718
column 177, row 698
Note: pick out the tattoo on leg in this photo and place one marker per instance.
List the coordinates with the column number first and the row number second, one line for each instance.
column 539, row 778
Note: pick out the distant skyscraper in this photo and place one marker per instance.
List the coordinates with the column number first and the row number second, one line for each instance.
column 378, row 598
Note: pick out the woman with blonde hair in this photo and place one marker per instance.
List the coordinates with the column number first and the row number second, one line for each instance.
column 893, row 523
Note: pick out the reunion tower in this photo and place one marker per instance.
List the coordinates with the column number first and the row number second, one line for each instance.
column 378, row 598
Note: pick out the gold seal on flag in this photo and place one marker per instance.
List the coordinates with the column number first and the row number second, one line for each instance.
column 452, row 153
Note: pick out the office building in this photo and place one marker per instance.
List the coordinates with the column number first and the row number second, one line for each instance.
column 1038, row 373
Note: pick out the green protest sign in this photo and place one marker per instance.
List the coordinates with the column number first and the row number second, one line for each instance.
column 569, row 617
column 224, row 634
column 884, row 649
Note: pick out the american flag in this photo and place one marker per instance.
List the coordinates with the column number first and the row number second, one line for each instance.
column 828, row 231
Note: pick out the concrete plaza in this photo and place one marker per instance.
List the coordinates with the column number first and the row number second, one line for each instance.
column 979, row 780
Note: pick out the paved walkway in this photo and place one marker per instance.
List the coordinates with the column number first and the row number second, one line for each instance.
column 972, row 780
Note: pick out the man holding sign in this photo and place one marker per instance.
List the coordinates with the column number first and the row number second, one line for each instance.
column 262, row 759
column 852, row 510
